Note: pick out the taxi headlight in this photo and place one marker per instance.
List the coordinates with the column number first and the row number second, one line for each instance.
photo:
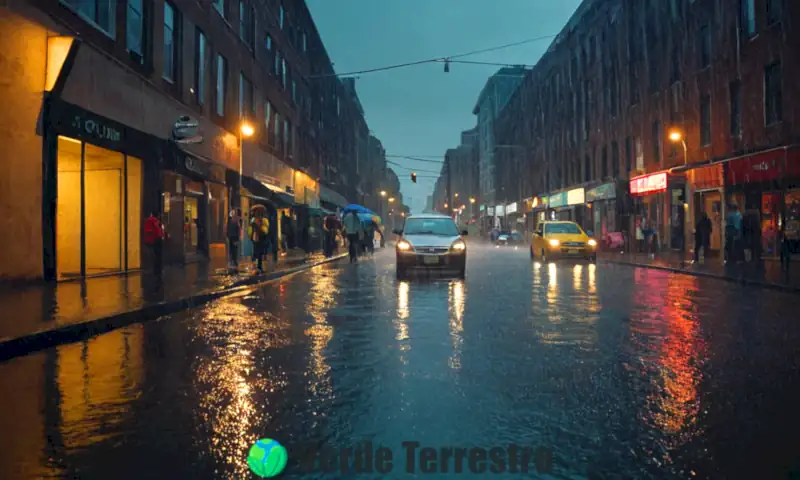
column 592, row 242
column 459, row 246
column 554, row 243
column 403, row 246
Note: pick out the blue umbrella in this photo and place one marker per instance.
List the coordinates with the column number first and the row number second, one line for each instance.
column 357, row 208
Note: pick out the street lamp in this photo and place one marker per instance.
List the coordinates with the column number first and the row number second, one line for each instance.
column 245, row 131
column 391, row 199
column 383, row 193
column 676, row 136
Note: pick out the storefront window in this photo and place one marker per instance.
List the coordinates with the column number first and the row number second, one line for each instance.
column 93, row 197
column 217, row 212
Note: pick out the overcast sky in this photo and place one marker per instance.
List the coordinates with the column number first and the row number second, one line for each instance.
column 420, row 110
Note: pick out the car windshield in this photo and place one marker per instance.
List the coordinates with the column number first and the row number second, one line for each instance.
column 430, row 226
column 561, row 228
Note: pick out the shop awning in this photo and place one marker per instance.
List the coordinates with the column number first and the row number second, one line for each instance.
column 274, row 194
column 328, row 195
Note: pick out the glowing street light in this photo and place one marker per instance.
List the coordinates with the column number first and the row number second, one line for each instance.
column 471, row 199
column 245, row 130
column 383, row 193
column 391, row 199
column 675, row 136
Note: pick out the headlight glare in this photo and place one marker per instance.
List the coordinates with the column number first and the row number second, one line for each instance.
column 592, row 242
column 554, row 243
column 459, row 246
column 403, row 245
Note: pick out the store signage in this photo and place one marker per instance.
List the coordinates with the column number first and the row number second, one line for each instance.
column 656, row 182
column 268, row 180
column 557, row 200
column 197, row 166
column 186, row 131
column 512, row 208
column 491, row 211
column 500, row 211
column 482, row 208
column 756, row 169
column 96, row 129
column 606, row 191
column 576, row 196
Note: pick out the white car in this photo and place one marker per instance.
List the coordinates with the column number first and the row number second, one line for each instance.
column 431, row 242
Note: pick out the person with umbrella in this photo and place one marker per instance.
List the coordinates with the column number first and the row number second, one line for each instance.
column 354, row 229
column 258, row 231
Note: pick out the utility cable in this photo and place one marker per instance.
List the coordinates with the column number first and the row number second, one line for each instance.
column 432, row 60
column 409, row 168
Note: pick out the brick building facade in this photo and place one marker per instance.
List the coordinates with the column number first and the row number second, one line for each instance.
column 599, row 106
column 93, row 94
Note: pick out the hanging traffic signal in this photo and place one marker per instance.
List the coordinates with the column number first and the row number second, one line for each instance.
column 413, row 177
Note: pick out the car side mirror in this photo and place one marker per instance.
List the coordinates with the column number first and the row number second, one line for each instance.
column 397, row 231
column 464, row 233
column 590, row 233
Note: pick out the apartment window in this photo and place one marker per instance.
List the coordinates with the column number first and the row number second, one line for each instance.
column 200, row 67
column 748, row 17
column 170, row 42
column 277, row 131
column 243, row 19
column 774, row 11
column 283, row 72
column 587, row 169
column 287, row 137
column 277, row 62
column 281, row 18
column 773, row 94
column 704, row 36
column 102, row 14
column 735, row 90
column 135, row 32
column 222, row 75
column 705, row 120
column 294, row 91
column 657, row 142
column 628, row 155
column 633, row 83
column 268, row 118
column 219, row 5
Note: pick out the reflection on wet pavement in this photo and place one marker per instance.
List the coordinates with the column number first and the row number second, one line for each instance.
column 623, row 373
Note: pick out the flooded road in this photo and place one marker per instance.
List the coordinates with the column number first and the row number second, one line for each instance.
column 618, row 372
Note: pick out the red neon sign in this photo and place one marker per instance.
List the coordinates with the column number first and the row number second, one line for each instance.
column 656, row 182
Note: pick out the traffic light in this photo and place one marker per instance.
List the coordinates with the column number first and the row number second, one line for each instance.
column 413, row 177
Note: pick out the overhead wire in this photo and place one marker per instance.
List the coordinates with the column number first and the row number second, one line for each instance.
column 410, row 168
column 433, row 60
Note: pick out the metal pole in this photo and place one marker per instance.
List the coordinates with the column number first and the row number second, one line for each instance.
column 241, row 165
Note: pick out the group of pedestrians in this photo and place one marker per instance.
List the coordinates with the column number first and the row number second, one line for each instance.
column 360, row 235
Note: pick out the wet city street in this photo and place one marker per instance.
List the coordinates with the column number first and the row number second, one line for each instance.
column 619, row 372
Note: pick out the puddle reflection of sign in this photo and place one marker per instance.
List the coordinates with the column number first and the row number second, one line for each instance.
column 654, row 183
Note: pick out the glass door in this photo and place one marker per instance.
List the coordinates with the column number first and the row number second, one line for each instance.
column 98, row 210
column 190, row 239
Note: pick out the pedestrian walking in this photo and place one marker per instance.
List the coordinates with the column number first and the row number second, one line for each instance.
column 154, row 238
column 258, row 232
column 234, row 231
column 354, row 229
column 733, row 234
column 286, row 228
column 702, row 236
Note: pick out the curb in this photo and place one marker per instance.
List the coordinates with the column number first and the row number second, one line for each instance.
column 25, row 344
column 739, row 280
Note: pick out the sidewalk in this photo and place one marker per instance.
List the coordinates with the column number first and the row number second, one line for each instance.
column 766, row 274
column 45, row 314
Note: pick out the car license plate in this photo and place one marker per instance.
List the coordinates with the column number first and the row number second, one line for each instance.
column 573, row 251
column 430, row 260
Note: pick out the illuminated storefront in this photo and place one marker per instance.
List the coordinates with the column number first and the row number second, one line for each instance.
column 568, row 205
column 602, row 200
column 707, row 183
column 96, row 185
column 660, row 205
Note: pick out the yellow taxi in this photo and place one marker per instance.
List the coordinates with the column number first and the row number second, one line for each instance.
column 560, row 239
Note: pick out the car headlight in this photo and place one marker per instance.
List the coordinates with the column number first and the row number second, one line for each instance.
column 404, row 246
column 554, row 243
column 459, row 246
column 592, row 242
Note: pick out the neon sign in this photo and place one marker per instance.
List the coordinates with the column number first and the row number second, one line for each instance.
column 646, row 184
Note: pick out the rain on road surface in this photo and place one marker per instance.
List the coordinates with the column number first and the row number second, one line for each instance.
column 621, row 372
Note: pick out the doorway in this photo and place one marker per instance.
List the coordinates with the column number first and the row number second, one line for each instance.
column 98, row 210
column 190, row 227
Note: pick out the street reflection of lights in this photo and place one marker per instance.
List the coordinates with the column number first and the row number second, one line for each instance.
column 552, row 286
column 537, row 274
column 456, row 306
column 592, row 278
column 323, row 292
column 97, row 381
column 400, row 322
column 577, row 273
